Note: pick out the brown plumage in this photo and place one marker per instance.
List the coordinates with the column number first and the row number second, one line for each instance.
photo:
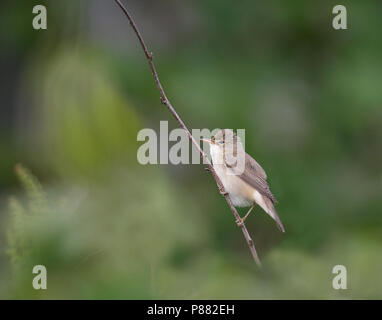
column 244, row 181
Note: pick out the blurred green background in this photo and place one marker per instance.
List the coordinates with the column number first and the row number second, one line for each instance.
column 74, row 96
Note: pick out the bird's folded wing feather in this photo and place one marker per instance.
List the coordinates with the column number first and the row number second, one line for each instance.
column 256, row 177
column 252, row 163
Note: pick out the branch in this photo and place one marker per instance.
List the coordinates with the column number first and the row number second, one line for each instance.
column 166, row 102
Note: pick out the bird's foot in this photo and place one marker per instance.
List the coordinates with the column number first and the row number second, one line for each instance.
column 223, row 192
column 207, row 169
column 240, row 222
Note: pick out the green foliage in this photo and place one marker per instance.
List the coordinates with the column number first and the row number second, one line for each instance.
column 16, row 232
column 37, row 202
column 21, row 219
column 86, row 125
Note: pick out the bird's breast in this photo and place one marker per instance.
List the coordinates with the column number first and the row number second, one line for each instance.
column 241, row 193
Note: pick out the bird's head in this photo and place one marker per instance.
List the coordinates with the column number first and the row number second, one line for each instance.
column 224, row 139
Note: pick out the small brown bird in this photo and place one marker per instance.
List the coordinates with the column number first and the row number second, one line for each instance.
column 242, row 177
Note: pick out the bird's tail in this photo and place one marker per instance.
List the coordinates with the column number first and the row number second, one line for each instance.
column 270, row 209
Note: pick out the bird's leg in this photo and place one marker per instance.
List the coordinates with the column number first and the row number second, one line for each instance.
column 241, row 221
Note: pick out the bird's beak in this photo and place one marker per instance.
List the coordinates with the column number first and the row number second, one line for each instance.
column 207, row 140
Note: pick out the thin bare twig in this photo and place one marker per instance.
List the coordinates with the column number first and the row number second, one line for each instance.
column 166, row 102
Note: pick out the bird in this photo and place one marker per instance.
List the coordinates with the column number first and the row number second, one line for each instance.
column 242, row 177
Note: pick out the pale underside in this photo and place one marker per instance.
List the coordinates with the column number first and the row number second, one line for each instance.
column 246, row 188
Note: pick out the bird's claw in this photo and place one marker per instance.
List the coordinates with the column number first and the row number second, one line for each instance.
column 207, row 169
column 239, row 222
column 223, row 192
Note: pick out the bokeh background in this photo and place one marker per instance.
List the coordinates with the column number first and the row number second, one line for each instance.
column 74, row 198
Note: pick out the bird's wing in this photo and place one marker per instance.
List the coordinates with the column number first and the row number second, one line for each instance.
column 256, row 177
column 250, row 162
